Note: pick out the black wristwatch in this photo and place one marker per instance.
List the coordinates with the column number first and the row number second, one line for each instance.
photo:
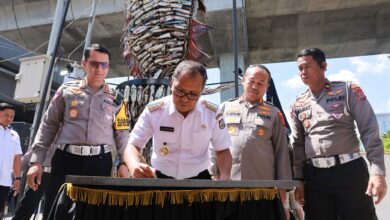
column 18, row 178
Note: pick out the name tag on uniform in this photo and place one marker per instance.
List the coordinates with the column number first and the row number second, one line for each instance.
column 169, row 129
column 232, row 119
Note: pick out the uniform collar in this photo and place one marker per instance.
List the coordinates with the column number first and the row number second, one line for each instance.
column 250, row 104
column 83, row 84
column 9, row 128
column 327, row 88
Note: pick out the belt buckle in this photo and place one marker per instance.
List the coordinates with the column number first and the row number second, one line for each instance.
column 324, row 162
column 329, row 162
column 86, row 150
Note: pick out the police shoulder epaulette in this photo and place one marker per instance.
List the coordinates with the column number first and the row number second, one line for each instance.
column 233, row 99
column 155, row 105
column 72, row 83
column 303, row 95
column 353, row 85
column 211, row 106
column 337, row 82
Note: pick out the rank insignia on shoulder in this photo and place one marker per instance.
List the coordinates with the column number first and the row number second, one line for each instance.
column 218, row 115
column 281, row 118
column 331, row 93
column 76, row 90
column 264, row 113
column 231, row 100
column 153, row 106
column 358, row 92
column 82, row 83
column 209, row 105
column 56, row 95
column 106, row 88
column 263, row 107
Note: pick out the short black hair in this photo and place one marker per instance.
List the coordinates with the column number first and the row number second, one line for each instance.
column 317, row 54
column 260, row 66
column 96, row 47
column 4, row 106
column 192, row 67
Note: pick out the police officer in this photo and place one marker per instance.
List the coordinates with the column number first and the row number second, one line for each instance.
column 337, row 184
column 257, row 130
column 80, row 118
column 10, row 154
column 182, row 126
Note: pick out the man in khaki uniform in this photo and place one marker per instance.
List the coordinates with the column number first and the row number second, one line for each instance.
column 337, row 184
column 80, row 118
column 257, row 130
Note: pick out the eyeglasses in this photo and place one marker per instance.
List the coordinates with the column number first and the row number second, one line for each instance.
column 189, row 95
column 96, row 64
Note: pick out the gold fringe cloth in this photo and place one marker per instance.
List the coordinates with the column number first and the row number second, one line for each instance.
column 158, row 197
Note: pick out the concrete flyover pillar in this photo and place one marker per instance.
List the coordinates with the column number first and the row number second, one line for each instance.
column 226, row 67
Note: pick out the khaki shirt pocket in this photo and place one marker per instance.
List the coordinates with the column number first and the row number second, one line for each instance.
column 73, row 108
column 109, row 112
column 261, row 129
column 335, row 111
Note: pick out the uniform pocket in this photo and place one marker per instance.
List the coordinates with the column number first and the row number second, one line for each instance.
column 233, row 129
column 166, row 143
column 261, row 129
column 200, row 140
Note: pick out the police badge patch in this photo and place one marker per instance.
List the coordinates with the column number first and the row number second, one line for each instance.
column 221, row 123
column 73, row 113
column 232, row 130
column 261, row 132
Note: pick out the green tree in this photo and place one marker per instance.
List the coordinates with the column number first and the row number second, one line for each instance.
column 386, row 141
column 386, row 134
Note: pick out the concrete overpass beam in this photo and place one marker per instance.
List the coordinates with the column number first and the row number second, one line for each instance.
column 41, row 12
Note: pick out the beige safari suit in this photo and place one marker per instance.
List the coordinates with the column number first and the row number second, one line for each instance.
column 324, row 126
column 79, row 117
column 260, row 150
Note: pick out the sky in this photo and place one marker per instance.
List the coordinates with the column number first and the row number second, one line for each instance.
column 372, row 73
